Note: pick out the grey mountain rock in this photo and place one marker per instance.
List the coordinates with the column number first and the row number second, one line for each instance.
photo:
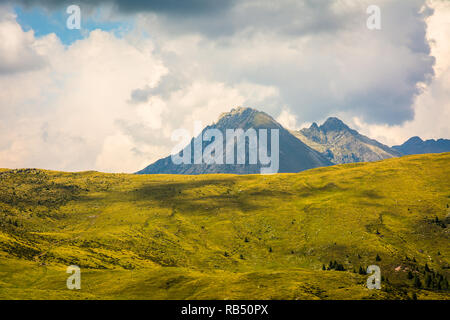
column 294, row 155
column 341, row 144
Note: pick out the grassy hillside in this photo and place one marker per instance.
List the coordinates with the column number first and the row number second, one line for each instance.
column 226, row 236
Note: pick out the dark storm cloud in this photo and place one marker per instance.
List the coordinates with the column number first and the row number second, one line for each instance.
column 132, row 6
column 217, row 18
column 334, row 64
column 288, row 18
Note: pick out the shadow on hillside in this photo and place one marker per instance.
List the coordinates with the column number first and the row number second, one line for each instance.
column 180, row 197
column 210, row 195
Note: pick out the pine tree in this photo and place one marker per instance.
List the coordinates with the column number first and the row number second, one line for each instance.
column 439, row 285
column 323, row 267
column 377, row 258
column 445, row 285
column 410, row 275
column 339, row 267
column 427, row 269
column 428, row 281
column 417, row 282
column 361, row 270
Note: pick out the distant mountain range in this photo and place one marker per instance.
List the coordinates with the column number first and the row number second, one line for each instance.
column 415, row 145
column 317, row 146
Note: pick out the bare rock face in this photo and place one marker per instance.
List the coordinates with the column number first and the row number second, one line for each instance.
column 340, row 144
column 294, row 155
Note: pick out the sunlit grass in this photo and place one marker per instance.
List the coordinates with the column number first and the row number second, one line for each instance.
column 224, row 236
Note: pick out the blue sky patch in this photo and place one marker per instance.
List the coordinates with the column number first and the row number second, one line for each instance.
column 44, row 22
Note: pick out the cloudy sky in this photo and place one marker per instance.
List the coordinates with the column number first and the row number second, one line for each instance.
column 107, row 97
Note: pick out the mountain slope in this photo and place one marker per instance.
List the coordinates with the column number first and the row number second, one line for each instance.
column 415, row 145
column 340, row 144
column 294, row 155
column 227, row 236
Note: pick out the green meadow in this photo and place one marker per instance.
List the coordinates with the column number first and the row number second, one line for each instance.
column 283, row 236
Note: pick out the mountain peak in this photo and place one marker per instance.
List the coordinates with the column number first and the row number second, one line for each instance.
column 414, row 140
column 341, row 144
column 244, row 117
column 235, row 111
column 333, row 124
column 293, row 155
